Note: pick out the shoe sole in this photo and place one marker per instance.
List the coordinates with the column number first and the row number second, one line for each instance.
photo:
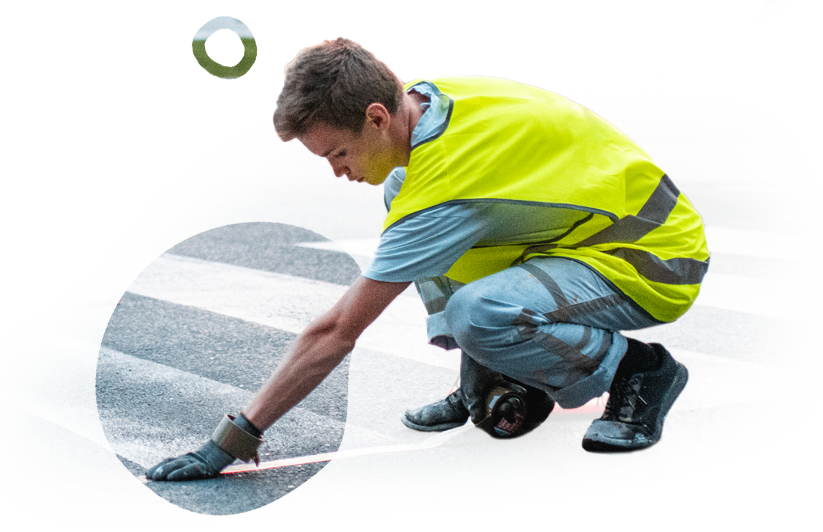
column 431, row 428
column 609, row 445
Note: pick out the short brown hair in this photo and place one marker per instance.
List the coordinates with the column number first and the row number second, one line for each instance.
column 334, row 82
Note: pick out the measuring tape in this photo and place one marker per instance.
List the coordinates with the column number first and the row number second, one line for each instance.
column 430, row 443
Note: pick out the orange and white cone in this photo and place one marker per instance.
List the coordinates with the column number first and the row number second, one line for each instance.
column 56, row 274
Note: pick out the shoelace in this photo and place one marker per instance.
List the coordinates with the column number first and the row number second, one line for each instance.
column 623, row 396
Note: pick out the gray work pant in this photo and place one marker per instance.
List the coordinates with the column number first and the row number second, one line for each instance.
column 552, row 323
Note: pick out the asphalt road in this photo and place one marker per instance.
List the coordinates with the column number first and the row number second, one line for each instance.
column 199, row 175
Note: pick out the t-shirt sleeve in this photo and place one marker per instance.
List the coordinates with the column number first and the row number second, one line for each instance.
column 426, row 245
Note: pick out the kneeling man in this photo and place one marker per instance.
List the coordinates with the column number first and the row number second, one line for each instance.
column 534, row 230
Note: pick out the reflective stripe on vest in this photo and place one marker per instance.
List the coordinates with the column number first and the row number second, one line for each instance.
column 514, row 143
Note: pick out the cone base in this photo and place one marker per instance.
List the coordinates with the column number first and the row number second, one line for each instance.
column 31, row 301
column 595, row 407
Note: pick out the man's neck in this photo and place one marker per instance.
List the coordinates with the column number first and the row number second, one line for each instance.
column 411, row 112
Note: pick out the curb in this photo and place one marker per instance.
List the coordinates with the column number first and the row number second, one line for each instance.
column 771, row 123
column 53, row 87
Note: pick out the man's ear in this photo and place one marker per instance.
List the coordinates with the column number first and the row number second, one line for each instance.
column 378, row 115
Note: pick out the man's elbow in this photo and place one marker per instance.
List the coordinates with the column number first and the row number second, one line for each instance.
column 332, row 329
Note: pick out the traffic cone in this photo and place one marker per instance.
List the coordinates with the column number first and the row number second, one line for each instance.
column 56, row 274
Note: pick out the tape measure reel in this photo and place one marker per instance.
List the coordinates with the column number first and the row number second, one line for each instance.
column 505, row 411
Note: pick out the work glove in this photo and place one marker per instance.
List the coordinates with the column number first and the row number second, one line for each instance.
column 234, row 438
column 206, row 462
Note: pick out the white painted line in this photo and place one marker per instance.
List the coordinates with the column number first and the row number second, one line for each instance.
column 804, row 191
column 364, row 247
column 771, row 298
column 808, row 216
column 289, row 303
column 34, row 162
column 138, row 409
column 775, row 299
column 284, row 302
column 170, row 137
column 716, row 381
column 765, row 245
column 55, row 122
column 274, row 170
column 243, row 117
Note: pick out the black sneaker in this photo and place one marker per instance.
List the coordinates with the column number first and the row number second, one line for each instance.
column 451, row 412
column 443, row 415
column 637, row 406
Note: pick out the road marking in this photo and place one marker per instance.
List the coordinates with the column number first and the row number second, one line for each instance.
column 716, row 381
column 55, row 122
column 284, row 302
column 363, row 247
column 429, row 443
column 720, row 240
column 135, row 408
column 34, row 162
column 808, row 216
column 805, row 191
column 273, row 170
column 775, row 299
column 289, row 303
column 170, row 137
column 765, row 245
column 243, row 117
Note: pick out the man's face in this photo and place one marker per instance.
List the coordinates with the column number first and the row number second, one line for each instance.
column 364, row 157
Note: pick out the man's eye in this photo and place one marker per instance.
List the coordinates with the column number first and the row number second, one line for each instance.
column 342, row 153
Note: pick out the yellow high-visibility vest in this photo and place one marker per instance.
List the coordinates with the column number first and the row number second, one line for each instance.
column 506, row 141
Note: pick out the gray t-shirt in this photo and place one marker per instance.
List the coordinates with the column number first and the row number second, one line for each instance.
column 429, row 243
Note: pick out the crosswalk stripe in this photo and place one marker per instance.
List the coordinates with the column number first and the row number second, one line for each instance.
column 289, row 303
column 364, row 247
column 765, row 245
column 807, row 216
column 764, row 297
column 774, row 299
column 720, row 240
column 284, row 302
column 716, row 381
column 765, row 189
column 138, row 409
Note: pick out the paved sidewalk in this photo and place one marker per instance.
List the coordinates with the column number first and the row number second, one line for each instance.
column 718, row 122
column 104, row 86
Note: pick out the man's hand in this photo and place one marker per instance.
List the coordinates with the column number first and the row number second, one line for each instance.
column 206, row 462
column 235, row 437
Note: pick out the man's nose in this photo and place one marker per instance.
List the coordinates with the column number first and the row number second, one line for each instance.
column 340, row 169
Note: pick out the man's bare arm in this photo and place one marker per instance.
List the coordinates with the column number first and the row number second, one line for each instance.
column 315, row 353
column 320, row 348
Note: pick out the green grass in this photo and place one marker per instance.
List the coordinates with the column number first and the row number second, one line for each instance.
column 62, row 60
